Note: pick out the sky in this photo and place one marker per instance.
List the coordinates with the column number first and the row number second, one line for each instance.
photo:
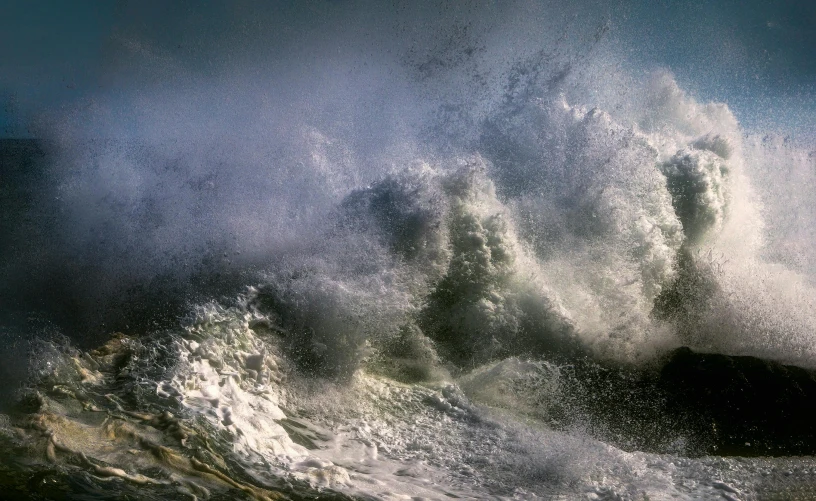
column 50, row 52
column 759, row 56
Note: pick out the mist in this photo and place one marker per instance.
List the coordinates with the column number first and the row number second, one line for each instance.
column 207, row 149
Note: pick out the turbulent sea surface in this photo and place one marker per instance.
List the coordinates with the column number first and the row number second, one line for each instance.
column 443, row 251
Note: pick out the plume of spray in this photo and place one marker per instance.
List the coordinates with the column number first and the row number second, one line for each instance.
column 204, row 155
column 462, row 184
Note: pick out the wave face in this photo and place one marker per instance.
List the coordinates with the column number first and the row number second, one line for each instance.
column 414, row 252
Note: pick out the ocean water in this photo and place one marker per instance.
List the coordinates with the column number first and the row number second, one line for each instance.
column 339, row 250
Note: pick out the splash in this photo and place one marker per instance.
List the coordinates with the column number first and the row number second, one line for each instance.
column 458, row 269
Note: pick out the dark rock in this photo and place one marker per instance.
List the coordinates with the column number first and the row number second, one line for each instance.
column 751, row 406
column 694, row 404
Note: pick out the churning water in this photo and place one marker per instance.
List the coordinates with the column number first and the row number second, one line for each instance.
column 331, row 251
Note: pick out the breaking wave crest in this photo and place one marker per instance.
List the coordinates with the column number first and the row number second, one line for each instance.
column 445, row 290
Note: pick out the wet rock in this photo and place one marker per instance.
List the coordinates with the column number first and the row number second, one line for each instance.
column 694, row 404
column 752, row 406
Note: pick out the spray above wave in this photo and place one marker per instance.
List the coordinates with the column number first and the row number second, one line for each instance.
column 590, row 255
column 571, row 230
column 554, row 213
column 486, row 222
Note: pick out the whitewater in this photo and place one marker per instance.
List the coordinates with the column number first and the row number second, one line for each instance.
column 405, row 253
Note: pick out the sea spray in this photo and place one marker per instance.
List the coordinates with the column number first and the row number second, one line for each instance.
column 436, row 253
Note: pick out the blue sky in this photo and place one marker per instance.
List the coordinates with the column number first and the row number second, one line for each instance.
column 49, row 53
column 759, row 56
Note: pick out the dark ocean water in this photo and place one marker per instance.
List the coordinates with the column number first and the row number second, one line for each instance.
column 335, row 250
